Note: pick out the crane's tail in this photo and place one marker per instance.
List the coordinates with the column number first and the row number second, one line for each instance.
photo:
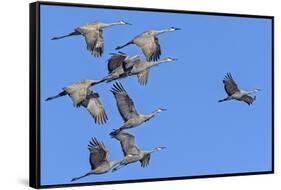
column 77, row 178
column 120, row 47
column 70, row 34
column 63, row 93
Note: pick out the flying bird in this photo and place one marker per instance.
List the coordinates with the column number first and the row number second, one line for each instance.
column 127, row 109
column 99, row 159
column 93, row 34
column 149, row 43
column 131, row 151
column 119, row 65
column 234, row 93
column 81, row 95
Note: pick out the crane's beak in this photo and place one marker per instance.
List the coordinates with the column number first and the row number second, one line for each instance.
column 128, row 23
column 177, row 28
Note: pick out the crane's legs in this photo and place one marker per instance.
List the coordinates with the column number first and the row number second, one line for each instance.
column 63, row 93
column 120, row 47
column 225, row 99
column 70, row 34
column 77, row 178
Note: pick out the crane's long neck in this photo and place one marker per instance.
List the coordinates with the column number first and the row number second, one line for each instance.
column 158, row 32
column 151, row 115
column 104, row 25
column 154, row 63
column 249, row 91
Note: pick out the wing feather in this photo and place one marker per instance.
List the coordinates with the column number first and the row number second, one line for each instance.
column 248, row 99
column 115, row 61
column 95, row 43
column 229, row 85
column 95, row 107
column 145, row 160
column 150, row 46
column 143, row 77
column 125, row 104
column 98, row 153
column 127, row 142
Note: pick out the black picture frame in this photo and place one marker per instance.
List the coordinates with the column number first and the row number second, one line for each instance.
column 34, row 91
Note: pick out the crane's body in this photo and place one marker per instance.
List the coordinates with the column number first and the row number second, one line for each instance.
column 93, row 34
column 81, row 95
column 127, row 109
column 234, row 93
column 149, row 43
column 100, row 164
column 131, row 151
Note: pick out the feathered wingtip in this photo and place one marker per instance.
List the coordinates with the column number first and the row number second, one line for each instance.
column 117, row 88
column 228, row 76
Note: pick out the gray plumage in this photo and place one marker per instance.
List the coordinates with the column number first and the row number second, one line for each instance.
column 95, row 107
column 131, row 151
column 93, row 35
column 119, row 66
column 127, row 109
column 234, row 93
column 99, row 159
column 149, row 43
column 81, row 95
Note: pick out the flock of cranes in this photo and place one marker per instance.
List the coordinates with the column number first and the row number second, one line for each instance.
column 120, row 66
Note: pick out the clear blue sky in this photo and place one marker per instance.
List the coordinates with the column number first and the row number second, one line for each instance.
column 202, row 136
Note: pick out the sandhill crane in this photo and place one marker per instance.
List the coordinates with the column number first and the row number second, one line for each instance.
column 119, row 65
column 81, row 95
column 149, row 43
column 234, row 93
column 125, row 66
column 93, row 34
column 99, row 160
column 127, row 109
column 131, row 151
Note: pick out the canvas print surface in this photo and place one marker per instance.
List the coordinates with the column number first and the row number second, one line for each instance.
column 130, row 95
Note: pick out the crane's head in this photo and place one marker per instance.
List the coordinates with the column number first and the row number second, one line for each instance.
column 159, row 148
column 173, row 29
column 169, row 59
column 122, row 22
column 257, row 90
column 160, row 110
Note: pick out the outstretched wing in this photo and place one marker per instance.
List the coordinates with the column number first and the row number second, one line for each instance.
column 143, row 77
column 150, row 47
column 98, row 153
column 94, row 41
column 115, row 61
column 229, row 85
column 248, row 99
column 77, row 93
column 127, row 142
column 145, row 160
column 125, row 104
column 94, row 106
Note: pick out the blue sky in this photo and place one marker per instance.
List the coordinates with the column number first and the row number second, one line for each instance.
column 202, row 136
